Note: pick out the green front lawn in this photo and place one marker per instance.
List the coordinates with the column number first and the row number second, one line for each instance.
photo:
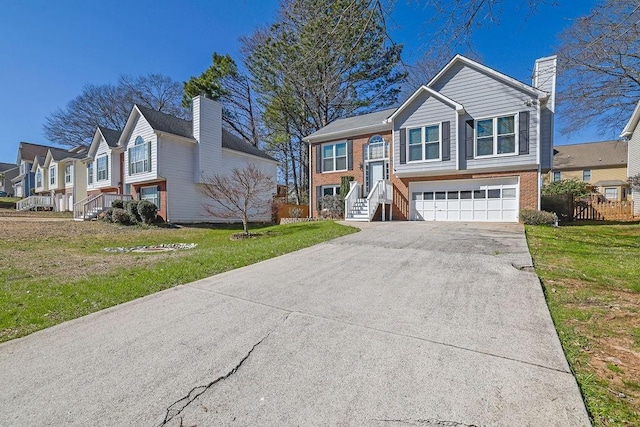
column 51, row 272
column 591, row 279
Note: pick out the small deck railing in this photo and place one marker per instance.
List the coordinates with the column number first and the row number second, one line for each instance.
column 34, row 202
column 91, row 207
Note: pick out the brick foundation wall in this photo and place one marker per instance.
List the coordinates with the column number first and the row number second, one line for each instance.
column 528, row 188
column 333, row 178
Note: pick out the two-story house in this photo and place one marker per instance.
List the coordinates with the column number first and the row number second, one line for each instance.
column 104, row 163
column 65, row 175
column 601, row 164
column 471, row 145
column 24, row 183
column 631, row 133
column 166, row 159
column 8, row 171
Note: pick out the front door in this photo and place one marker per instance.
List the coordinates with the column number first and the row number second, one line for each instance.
column 376, row 173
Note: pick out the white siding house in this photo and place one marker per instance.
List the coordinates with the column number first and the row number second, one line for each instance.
column 167, row 158
column 632, row 134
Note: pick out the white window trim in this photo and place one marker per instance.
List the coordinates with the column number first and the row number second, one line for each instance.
column 68, row 177
column 157, row 194
column 346, row 148
column 335, row 187
column 583, row 171
column 146, row 159
column 553, row 176
column 424, row 143
column 611, row 188
column 39, row 172
column 98, row 179
column 52, row 176
column 516, row 128
column 90, row 177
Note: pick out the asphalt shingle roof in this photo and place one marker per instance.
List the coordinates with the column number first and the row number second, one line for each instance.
column 590, row 155
column 355, row 122
column 28, row 151
column 164, row 122
column 7, row 166
column 111, row 136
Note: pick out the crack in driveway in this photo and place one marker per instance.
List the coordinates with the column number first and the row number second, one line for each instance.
column 180, row 405
column 429, row 422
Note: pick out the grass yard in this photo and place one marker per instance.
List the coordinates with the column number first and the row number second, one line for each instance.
column 55, row 271
column 591, row 278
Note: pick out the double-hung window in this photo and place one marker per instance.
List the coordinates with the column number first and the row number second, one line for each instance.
column 424, row 143
column 496, row 136
column 557, row 176
column 150, row 194
column 586, row 175
column 102, row 166
column 140, row 157
column 52, row 175
column 90, row 173
column 67, row 174
column 39, row 178
column 334, row 157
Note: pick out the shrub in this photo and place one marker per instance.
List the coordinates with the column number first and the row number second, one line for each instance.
column 118, row 203
column 331, row 207
column 295, row 212
column 120, row 216
column 107, row 215
column 132, row 208
column 345, row 186
column 147, row 211
column 533, row 217
column 572, row 186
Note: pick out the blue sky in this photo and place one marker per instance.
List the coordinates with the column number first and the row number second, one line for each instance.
column 50, row 49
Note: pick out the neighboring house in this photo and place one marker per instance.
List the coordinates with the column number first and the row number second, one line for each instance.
column 8, row 171
column 64, row 176
column 104, row 163
column 471, row 145
column 601, row 164
column 165, row 159
column 632, row 134
column 24, row 182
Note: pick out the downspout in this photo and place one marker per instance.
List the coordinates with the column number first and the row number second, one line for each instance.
column 310, row 182
column 538, row 151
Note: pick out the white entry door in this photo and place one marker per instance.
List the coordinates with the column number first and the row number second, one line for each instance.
column 376, row 173
column 492, row 199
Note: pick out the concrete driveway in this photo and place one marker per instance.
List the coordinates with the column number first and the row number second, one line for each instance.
column 430, row 324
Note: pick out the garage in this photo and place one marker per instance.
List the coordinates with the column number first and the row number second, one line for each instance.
column 491, row 199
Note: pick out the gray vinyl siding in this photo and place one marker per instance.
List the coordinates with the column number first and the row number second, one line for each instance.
column 484, row 97
column 546, row 139
column 425, row 110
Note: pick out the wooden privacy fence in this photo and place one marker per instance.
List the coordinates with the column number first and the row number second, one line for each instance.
column 603, row 210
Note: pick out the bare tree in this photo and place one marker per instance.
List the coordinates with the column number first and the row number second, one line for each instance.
column 599, row 66
column 244, row 194
column 109, row 105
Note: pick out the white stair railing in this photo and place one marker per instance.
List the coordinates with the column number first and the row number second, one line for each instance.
column 34, row 202
column 382, row 192
column 91, row 207
column 351, row 197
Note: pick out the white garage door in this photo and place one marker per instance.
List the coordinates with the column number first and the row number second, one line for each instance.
column 465, row 200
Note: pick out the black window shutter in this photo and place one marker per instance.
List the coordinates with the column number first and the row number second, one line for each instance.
column 468, row 139
column 403, row 146
column 524, row 132
column 446, row 141
column 350, row 154
column 318, row 158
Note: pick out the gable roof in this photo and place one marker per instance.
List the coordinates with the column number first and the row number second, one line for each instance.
column 110, row 136
column 491, row 72
column 628, row 130
column 167, row 123
column 437, row 95
column 234, row 142
column 590, row 155
column 28, row 151
column 164, row 122
column 7, row 166
column 353, row 125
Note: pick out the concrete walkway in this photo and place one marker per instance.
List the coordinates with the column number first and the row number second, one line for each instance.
column 399, row 324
